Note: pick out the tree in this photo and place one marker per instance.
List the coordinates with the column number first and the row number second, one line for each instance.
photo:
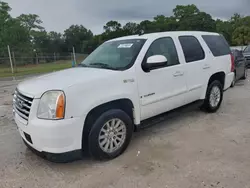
column 241, row 35
column 77, row 35
column 112, row 26
column 12, row 33
column 93, row 43
column 145, row 26
column 225, row 28
column 182, row 11
column 31, row 21
column 41, row 41
column 130, row 28
column 112, row 29
column 191, row 18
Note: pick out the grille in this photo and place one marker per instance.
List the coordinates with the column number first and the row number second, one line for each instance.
column 248, row 57
column 22, row 105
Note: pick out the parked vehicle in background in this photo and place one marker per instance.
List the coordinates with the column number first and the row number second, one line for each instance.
column 240, row 66
column 246, row 54
column 97, row 106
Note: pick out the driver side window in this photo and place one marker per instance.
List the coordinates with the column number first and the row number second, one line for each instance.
column 166, row 47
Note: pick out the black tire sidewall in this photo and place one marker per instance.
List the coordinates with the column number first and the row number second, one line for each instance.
column 207, row 104
column 93, row 141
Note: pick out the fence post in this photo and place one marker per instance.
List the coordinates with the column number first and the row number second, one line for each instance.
column 74, row 55
column 11, row 65
column 14, row 61
column 54, row 57
column 36, row 59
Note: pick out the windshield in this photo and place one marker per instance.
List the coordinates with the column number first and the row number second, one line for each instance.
column 116, row 55
column 247, row 49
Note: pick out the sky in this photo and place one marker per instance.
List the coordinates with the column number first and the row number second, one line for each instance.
column 58, row 15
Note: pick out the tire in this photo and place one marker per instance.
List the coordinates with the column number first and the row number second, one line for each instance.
column 208, row 105
column 234, row 81
column 96, row 133
column 245, row 74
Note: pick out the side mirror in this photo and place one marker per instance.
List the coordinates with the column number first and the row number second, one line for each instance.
column 156, row 61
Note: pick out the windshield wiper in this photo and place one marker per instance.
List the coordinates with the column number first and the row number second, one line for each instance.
column 82, row 65
column 103, row 65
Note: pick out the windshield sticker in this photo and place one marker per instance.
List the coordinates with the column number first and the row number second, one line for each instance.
column 129, row 45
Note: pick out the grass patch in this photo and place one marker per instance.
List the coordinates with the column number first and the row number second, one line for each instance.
column 35, row 69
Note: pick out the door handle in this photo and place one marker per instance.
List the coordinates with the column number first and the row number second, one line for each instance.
column 178, row 73
column 206, row 66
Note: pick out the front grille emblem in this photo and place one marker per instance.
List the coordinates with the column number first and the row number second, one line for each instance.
column 20, row 103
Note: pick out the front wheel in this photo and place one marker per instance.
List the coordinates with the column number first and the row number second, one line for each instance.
column 110, row 134
column 214, row 96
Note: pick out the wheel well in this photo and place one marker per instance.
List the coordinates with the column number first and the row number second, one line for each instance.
column 220, row 76
column 124, row 104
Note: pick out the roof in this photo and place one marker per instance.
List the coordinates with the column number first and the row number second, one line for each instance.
column 163, row 34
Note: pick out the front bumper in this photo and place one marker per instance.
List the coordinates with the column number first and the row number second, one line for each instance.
column 51, row 136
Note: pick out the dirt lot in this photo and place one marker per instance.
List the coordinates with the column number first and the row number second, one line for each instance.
column 188, row 149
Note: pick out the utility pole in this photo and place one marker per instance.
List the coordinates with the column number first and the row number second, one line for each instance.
column 11, row 65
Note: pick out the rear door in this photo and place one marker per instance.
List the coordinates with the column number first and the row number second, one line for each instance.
column 197, row 67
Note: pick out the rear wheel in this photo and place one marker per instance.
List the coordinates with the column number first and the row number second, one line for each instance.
column 110, row 134
column 214, row 96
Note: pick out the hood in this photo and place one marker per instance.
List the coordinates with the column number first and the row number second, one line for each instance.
column 62, row 79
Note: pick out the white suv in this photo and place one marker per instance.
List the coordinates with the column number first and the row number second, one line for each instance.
column 97, row 105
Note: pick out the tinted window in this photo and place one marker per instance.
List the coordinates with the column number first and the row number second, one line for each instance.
column 191, row 48
column 166, row 47
column 217, row 44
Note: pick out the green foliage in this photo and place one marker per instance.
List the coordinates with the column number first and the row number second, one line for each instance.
column 241, row 35
column 75, row 36
column 30, row 21
column 225, row 28
column 27, row 36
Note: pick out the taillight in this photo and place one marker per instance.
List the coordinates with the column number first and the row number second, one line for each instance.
column 232, row 63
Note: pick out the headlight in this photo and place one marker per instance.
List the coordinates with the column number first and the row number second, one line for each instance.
column 52, row 105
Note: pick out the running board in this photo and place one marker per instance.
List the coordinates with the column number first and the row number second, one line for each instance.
column 167, row 115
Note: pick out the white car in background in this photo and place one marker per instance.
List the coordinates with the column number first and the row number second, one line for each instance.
column 127, row 80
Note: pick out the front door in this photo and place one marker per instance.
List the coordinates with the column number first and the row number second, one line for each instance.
column 164, row 88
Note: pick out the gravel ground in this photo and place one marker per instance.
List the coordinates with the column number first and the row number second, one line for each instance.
column 190, row 149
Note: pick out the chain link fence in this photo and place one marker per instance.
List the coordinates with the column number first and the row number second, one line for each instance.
column 29, row 61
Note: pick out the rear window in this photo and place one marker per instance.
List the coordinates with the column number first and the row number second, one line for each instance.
column 217, row 44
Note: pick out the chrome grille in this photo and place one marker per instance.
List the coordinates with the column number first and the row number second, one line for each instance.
column 22, row 105
column 247, row 57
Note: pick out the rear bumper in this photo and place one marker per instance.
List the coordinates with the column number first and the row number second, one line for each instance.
column 228, row 80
